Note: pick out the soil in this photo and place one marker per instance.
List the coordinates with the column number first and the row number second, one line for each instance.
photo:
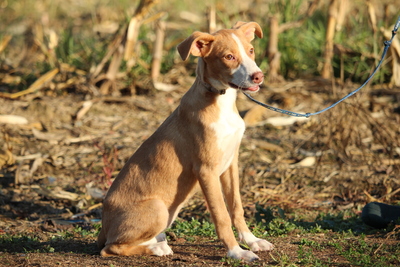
column 56, row 168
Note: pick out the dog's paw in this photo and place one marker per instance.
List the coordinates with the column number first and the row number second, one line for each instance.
column 161, row 249
column 254, row 243
column 241, row 254
column 260, row 245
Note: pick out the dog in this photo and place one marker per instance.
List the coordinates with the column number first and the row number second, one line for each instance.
column 197, row 144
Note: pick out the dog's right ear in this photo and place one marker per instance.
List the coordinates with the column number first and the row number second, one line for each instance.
column 198, row 44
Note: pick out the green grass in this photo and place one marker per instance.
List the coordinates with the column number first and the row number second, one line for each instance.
column 62, row 241
column 193, row 228
column 322, row 239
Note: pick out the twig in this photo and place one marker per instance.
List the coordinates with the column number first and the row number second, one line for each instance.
column 330, row 33
column 387, row 237
column 38, row 84
column 158, row 49
column 4, row 42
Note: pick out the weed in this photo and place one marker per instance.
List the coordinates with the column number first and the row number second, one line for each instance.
column 22, row 244
column 274, row 221
column 282, row 260
column 110, row 161
column 305, row 256
column 193, row 228
column 236, row 263
column 311, row 243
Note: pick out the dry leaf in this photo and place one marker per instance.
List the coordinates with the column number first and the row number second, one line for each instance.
column 268, row 146
column 39, row 83
column 22, row 174
column 13, row 119
column 284, row 121
column 50, row 137
column 6, row 158
column 85, row 108
column 4, row 42
column 165, row 87
column 306, row 162
column 62, row 194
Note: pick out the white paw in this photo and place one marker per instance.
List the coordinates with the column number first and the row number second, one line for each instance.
column 161, row 249
column 255, row 244
column 261, row 245
column 241, row 254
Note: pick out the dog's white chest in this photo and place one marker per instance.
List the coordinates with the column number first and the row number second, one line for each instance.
column 229, row 129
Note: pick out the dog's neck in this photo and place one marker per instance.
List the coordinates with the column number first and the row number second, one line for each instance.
column 200, row 76
column 212, row 89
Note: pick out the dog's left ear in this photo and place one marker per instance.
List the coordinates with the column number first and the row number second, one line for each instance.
column 249, row 29
column 198, row 44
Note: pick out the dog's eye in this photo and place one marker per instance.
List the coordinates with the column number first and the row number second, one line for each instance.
column 229, row 57
column 251, row 51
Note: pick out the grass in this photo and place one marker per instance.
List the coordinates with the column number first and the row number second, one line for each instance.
column 193, row 228
column 38, row 243
column 322, row 241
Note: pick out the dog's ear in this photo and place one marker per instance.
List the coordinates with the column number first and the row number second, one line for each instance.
column 198, row 44
column 249, row 29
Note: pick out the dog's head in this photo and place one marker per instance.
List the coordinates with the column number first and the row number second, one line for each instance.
column 228, row 56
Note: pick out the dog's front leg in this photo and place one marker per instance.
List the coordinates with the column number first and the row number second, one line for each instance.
column 230, row 186
column 211, row 187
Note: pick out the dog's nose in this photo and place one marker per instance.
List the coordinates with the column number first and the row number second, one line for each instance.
column 257, row 77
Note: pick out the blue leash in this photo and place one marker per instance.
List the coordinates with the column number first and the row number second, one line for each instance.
column 295, row 114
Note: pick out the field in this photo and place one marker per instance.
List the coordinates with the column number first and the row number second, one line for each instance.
column 88, row 82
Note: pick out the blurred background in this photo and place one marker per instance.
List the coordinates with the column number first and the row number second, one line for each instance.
column 303, row 39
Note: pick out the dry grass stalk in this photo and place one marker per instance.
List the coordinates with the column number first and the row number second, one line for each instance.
column 372, row 15
column 12, row 119
column 395, row 56
column 94, row 76
column 134, row 25
column 273, row 53
column 158, row 49
column 295, row 24
column 343, row 10
column 112, row 71
column 4, row 42
column 212, row 18
column 6, row 157
column 122, row 48
column 353, row 134
column 131, row 39
column 38, row 84
column 83, row 110
column 330, row 33
column 275, row 29
column 47, row 48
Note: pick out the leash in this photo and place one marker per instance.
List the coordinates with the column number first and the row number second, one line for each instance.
column 307, row 115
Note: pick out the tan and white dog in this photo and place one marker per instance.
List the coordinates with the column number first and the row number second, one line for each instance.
column 197, row 144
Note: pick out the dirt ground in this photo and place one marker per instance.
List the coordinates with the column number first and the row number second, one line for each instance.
column 55, row 168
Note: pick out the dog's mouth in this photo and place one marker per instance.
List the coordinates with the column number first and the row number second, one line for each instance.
column 253, row 88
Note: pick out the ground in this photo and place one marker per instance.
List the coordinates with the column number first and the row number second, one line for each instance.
column 55, row 169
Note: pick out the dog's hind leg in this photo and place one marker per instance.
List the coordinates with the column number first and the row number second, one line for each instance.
column 151, row 247
column 136, row 230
